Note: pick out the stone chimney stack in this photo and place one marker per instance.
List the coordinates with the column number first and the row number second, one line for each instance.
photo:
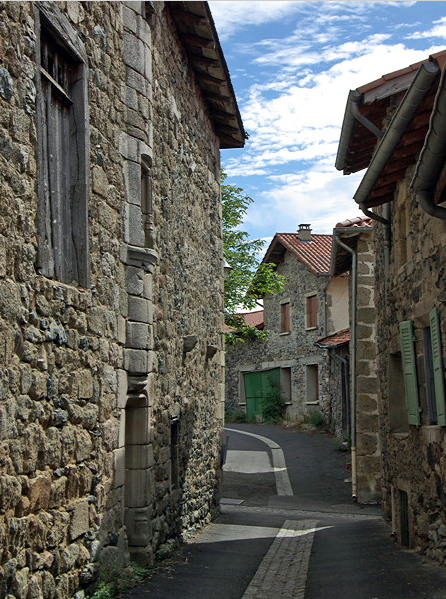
column 304, row 232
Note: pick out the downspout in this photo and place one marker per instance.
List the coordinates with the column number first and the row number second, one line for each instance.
column 432, row 156
column 354, row 271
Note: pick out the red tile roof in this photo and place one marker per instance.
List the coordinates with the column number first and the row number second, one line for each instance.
column 314, row 254
column 335, row 340
column 252, row 319
column 358, row 221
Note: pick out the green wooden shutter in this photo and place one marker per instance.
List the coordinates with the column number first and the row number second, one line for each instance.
column 410, row 371
column 437, row 361
column 253, row 394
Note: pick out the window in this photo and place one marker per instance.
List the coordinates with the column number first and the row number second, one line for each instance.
column 146, row 201
column 312, row 380
column 62, row 158
column 285, row 317
column 312, row 311
column 408, row 357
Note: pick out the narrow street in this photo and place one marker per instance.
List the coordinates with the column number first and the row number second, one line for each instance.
column 291, row 532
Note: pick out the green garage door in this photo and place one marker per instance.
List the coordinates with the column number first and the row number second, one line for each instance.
column 257, row 386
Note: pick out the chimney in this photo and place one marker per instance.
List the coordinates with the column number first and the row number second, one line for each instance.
column 304, row 232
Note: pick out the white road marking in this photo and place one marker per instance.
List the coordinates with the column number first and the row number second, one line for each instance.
column 283, row 484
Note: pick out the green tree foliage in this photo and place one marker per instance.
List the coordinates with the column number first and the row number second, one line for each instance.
column 248, row 280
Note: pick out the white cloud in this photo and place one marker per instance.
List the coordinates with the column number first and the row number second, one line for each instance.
column 439, row 30
column 231, row 16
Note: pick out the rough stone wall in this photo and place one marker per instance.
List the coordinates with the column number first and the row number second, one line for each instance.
column 368, row 450
column 293, row 350
column 413, row 457
column 92, row 379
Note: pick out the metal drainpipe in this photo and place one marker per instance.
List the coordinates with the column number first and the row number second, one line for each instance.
column 352, row 363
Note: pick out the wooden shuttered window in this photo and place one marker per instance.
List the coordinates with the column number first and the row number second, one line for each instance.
column 312, row 310
column 437, row 363
column 410, row 371
column 285, row 317
column 63, row 154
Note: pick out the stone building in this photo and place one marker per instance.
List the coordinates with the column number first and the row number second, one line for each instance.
column 112, row 115
column 395, row 127
column 310, row 306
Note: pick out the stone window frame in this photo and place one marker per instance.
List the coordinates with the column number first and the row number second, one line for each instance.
column 63, row 240
column 285, row 317
column 310, row 323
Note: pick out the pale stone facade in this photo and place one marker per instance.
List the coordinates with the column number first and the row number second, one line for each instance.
column 111, row 360
column 363, row 430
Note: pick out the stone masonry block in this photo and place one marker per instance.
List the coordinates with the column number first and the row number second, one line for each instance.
column 139, row 457
column 133, row 231
column 138, row 488
column 79, row 522
column 136, row 81
column 138, row 525
column 119, row 467
column 139, row 310
column 137, row 335
column 135, row 281
column 122, row 389
column 137, row 426
column 136, row 361
column 129, row 19
column 132, row 177
column 133, row 52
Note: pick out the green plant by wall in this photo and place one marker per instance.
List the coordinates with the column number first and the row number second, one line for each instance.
column 315, row 419
column 236, row 415
column 113, row 583
column 273, row 404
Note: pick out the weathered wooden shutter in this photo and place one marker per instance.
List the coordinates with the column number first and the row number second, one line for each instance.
column 437, row 361
column 410, row 371
column 285, row 318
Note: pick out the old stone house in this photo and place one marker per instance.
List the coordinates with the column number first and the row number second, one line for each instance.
column 310, row 306
column 112, row 115
column 395, row 127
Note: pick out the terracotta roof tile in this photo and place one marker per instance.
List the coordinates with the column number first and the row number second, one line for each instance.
column 335, row 340
column 315, row 254
column 358, row 221
column 252, row 319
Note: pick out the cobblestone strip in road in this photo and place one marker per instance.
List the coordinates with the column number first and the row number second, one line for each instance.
column 283, row 571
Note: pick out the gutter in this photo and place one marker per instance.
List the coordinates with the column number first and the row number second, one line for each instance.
column 432, row 156
column 351, row 115
column 398, row 125
column 354, row 270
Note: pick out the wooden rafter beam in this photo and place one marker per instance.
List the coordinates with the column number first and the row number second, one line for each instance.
column 198, row 41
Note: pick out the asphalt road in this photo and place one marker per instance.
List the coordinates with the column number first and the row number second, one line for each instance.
column 314, row 544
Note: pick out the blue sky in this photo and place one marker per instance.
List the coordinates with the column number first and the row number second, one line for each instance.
column 292, row 65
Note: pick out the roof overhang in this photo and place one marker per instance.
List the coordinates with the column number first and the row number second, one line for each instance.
column 367, row 112
column 334, row 341
column 197, row 32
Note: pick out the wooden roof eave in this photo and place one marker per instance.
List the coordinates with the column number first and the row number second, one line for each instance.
column 197, row 32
